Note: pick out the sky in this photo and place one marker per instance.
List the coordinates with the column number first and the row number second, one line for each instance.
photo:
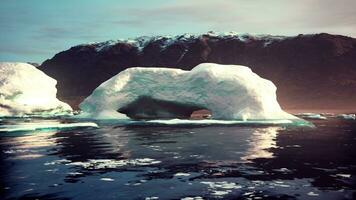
column 35, row 30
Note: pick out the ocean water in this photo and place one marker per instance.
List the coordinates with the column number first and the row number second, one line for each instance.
column 177, row 161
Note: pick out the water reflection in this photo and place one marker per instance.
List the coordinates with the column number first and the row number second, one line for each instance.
column 28, row 146
column 261, row 142
column 175, row 162
column 83, row 145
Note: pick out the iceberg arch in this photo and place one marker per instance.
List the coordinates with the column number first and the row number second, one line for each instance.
column 229, row 92
column 25, row 90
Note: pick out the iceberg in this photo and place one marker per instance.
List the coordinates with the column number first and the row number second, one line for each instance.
column 229, row 92
column 27, row 91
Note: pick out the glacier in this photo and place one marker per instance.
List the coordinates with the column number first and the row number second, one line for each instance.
column 27, row 91
column 229, row 92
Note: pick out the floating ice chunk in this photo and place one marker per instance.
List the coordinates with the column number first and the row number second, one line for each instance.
column 348, row 116
column 344, row 175
column 312, row 194
column 311, row 116
column 221, row 188
column 111, row 164
column 25, row 90
column 75, row 173
column 151, row 198
column 107, row 179
column 56, row 162
column 230, row 92
column 45, row 126
column 181, row 174
column 192, row 198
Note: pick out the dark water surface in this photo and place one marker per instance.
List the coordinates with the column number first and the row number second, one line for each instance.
column 197, row 162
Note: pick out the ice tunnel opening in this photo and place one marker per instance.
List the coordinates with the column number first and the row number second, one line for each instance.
column 201, row 114
column 146, row 107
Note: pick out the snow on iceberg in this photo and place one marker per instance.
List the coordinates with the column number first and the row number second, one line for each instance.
column 229, row 92
column 25, row 90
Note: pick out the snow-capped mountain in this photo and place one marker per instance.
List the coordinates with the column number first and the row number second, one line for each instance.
column 310, row 71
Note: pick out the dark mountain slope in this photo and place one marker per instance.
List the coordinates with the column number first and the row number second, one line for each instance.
column 310, row 71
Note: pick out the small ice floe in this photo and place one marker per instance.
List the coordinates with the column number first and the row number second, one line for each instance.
column 347, row 116
column 280, row 184
column 111, row 164
column 283, row 170
column 151, row 198
column 52, row 170
column 294, row 146
column 324, row 169
column 45, row 126
column 27, row 156
column 75, row 173
column 107, row 179
column 311, row 116
column 155, row 148
column 312, row 194
column 14, row 151
column 344, row 175
column 136, row 183
column 56, row 162
column 181, row 174
column 221, row 188
column 192, row 198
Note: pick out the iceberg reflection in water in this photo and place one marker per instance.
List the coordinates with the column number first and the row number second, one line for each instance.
column 130, row 161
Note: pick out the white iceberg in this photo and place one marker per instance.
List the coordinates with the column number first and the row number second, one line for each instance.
column 229, row 92
column 25, row 90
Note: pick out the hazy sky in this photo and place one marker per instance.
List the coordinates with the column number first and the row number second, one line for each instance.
column 34, row 30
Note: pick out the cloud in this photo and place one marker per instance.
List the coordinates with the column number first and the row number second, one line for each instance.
column 21, row 50
column 330, row 13
column 55, row 33
column 259, row 16
column 130, row 22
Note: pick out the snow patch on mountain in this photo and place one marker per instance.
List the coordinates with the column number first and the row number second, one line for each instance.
column 165, row 41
